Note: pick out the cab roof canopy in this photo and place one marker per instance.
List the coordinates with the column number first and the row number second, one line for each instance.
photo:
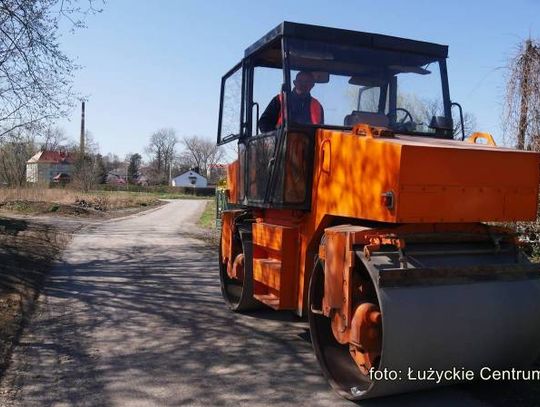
column 345, row 38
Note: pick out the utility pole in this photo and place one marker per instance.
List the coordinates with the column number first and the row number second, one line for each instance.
column 82, row 131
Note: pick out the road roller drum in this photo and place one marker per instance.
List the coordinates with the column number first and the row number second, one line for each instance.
column 428, row 309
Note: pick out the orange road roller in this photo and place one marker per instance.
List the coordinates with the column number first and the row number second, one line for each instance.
column 356, row 200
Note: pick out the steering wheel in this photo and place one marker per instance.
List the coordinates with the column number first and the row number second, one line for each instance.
column 403, row 123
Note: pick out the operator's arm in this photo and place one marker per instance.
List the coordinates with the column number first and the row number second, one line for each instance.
column 269, row 118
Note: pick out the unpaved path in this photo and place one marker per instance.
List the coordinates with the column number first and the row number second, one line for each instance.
column 133, row 316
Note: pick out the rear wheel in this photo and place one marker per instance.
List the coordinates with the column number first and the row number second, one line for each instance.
column 238, row 291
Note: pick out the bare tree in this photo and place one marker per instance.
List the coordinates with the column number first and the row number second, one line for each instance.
column 522, row 102
column 521, row 118
column 86, row 172
column 469, row 124
column 200, row 153
column 91, row 146
column 35, row 75
column 16, row 148
column 112, row 161
column 161, row 151
column 425, row 109
column 53, row 138
column 88, row 168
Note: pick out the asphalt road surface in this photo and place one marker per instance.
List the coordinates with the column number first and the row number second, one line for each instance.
column 133, row 316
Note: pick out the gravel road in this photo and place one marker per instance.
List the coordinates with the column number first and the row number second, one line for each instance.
column 133, row 316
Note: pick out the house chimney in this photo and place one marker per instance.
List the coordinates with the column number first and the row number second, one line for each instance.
column 82, row 130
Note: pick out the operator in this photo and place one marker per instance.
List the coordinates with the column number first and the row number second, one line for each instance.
column 304, row 108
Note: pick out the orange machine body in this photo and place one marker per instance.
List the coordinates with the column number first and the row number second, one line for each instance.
column 366, row 175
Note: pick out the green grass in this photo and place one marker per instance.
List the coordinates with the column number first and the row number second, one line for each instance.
column 166, row 195
column 208, row 217
column 54, row 208
column 21, row 207
column 155, row 194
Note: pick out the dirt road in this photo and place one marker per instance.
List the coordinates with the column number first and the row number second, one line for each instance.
column 133, row 317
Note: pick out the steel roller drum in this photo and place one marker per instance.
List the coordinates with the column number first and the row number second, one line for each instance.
column 493, row 323
column 487, row 324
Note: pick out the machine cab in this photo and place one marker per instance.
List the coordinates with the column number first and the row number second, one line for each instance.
column 374, row 79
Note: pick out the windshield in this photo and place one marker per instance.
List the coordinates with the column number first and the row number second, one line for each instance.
column 398, row 90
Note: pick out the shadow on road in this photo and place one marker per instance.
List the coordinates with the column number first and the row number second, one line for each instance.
column 164, row 336
column 140, row 321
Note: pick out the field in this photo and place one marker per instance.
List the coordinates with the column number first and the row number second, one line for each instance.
column 73, row 202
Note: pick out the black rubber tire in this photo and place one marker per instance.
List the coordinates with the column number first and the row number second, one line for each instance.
column 238, row 295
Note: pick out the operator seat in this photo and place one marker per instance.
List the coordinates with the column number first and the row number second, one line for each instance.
column 373, row 119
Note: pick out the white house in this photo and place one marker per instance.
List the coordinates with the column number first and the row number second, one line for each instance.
column 190, row 179
column 45, row 166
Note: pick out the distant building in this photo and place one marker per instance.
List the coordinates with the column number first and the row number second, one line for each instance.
column 115, row 179
column 47, row 165
column 190, row 179
column 117, row 176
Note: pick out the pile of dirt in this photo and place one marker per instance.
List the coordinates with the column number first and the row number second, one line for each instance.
column 27, row 252
column 98, row 206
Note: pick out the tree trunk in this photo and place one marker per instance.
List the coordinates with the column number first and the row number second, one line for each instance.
column 524, row 90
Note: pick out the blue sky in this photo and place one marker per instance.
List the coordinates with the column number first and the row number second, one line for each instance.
column 153, row 64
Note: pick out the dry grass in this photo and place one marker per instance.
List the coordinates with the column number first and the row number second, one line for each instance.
column 103, row 200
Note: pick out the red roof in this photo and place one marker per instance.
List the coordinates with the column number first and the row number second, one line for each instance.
column 53, row 157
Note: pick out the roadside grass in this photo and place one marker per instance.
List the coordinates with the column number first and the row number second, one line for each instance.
column 168, row 195
column 208, row 217
column 207, row 230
